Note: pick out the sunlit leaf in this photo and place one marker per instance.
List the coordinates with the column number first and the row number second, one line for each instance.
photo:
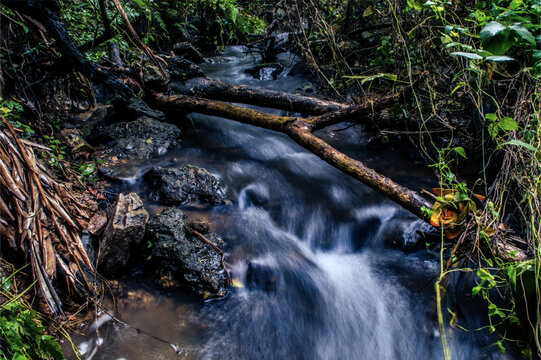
column 500, row 58
column 467, row 55
column 520, row 143
column 508, row 123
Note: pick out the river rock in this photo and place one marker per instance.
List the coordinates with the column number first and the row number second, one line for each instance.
column 184, row 184
column 188, row 51
column 124, row 231
column 182, row 69
column 141, row 139
column 135, row 108
column 185, row 256
column 153, row 78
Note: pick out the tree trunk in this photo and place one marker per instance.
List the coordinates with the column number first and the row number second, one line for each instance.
column 43, row 12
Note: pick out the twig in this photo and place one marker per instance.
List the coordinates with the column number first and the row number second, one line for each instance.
column 215, row 247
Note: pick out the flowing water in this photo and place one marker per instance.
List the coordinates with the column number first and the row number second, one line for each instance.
column 327, row 274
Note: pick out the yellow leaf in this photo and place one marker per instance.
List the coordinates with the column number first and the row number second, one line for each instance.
column 368, row 11
column 237, row 283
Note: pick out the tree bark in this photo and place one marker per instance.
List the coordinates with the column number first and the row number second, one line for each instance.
column 219, row 90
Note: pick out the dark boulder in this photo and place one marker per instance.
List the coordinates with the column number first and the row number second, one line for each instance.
column 188, row 51
column 182, row 69
column 177, row 252
column 143, row 138
column 154, row 79
column 184, row 184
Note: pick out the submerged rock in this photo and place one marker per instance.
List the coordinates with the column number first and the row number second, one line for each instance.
column 124, row 231
column 141, row 139
column 184, row 184
column 177, row 251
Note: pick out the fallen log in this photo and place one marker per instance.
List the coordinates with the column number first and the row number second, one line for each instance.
column 219, row 90
column 301, row 131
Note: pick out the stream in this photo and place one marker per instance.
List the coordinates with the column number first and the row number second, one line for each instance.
column 330, row 276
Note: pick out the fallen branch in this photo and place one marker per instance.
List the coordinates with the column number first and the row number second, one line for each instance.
column 301, row 131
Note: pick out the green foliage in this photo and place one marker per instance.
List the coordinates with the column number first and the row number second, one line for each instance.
column 22, row 334
column 58, row 153
column 11, row 111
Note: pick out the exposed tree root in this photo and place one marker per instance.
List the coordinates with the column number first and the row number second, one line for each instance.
column 42, row 221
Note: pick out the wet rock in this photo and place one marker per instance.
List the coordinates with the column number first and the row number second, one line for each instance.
column 77, row 144
column 143, row 138
column 182, row 69
column 99, row 117
column 188, row 51
column 177, row 251
column 261, row 277
column 154, row 79
column 136, row 108
column 184, row 184
column 124, row 231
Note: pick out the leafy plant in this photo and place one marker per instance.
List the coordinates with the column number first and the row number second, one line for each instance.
column 22, row 333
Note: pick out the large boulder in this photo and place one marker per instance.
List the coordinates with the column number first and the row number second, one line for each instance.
column 178, row 252
column 124, row 231
column 184, row 184
column 141, row 139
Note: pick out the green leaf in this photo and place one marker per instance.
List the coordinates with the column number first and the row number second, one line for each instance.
column 476, row 290
column 467, row 55
column 500, row 58
column 523, row 33
column 460, row 151
column 520, row 143
column 491, row 117
column 500, row 347
column 508, row 123
column 484, row 275
column 515, row 4
column 496, row 38
column 490, row 30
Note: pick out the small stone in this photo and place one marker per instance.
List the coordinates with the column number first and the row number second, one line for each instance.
column 97, row 224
